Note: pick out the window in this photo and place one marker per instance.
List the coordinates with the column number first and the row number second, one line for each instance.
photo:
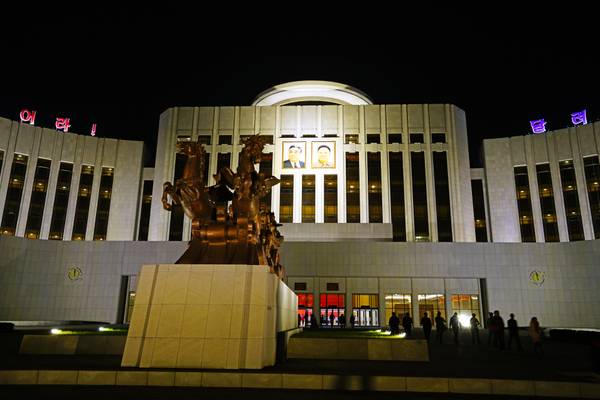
column 12, row 206
column 286, row 199
column 465, row 305
column 38, row 199
column 86, row 179
column 592, row 176
column 331, row 198
column 332, row 306
column 398, row 303
column 103, row 210
column 373, row 138
column 305, row 309
column 333, row 286
column 184, row 138
column 547, row 202
column 395, row 138
column 348, row 139
column 479, row 210
column 300, row 286
column 365, row 308
column 397, row 197
column 438, row 138
column 130, row 304
column 224, row 139
column 307, row 135
column 176, row 222
column 524, row 204
column 308, row 198
column 416, row 138
column 432, row 304
column 352, row 188
column 268, row 139
column 374, row 176
column 223, row 160
column 419, row 184
column 442, row 197
column 61, row 201
column 1, row 161
column 266, row 168
column 204, row 139
column 145, row 212
column 571, row 197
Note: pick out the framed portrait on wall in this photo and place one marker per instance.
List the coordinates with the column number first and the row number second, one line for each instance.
column 294, row 155
column 323, row 155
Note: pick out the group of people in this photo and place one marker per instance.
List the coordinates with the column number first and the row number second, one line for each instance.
column 495, row 326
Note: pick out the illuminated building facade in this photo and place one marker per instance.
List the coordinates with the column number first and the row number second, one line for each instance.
column 380, row 207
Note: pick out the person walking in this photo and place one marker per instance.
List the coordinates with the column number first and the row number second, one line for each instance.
column 342, row 320
column 331, row 318
column 394, row 323
column 513, row 332
column 474, row 329
column 352, row 321
column 426, row 324
column 455, row 326
column 490, row 328
column 407, row 323
column 498, row 324
column 440, row 327
column 535, row 332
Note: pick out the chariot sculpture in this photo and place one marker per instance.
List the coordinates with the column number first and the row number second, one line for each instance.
column 228, row 224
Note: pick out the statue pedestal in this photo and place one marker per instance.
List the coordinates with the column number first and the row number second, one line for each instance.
column 208, row 316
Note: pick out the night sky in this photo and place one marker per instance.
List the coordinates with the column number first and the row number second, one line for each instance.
column 122, row 69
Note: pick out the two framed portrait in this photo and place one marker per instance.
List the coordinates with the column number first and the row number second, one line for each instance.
column 298, row 154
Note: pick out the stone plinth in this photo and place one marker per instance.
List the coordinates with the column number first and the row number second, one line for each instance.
column 207, row 316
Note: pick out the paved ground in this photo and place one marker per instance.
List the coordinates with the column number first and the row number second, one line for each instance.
column 560, row 361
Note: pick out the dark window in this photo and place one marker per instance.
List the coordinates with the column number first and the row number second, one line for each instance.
column 268, row 139
column 547, row 202
column 224, row 139
column 266, row 168
column 223, row 160
column 438, row 138
column 419, row 184
column 374, row 175
column 416, row 138
column 145, row 212
column 184, row 138
column 82, row 209
column 479, row 210
column 204, row 139
column 442, row 197
column 352, row 188
column 330, row 135
column 286, row 199
column 333, row 286
column 1, row 161
column 570, row 195
column 14, row 194
column 330, row 193
column 395, row 138
column 299, row 285
column 524, row 204
column 397, row 196
column 287, row 136
column 373, row 138
column 177, row 215
column 592, row 176
column 308, row 198
column 38, row 199
column 103, row 210
column 350, row 139
column 309, row 136
column 61, row 201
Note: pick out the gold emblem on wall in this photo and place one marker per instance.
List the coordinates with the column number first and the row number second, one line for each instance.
column 537, row 278
column 75, row 274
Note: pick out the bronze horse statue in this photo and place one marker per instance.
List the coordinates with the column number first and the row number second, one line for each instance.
column 242, row 233
column 189, row 190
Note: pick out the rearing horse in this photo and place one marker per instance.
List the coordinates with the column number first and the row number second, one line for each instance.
column 189, row 190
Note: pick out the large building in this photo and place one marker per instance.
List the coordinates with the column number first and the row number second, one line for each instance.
column 380, row 207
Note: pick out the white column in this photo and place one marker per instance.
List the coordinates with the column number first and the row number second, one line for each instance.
column 534, row 192
column 429, row 177
column 407, row 171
